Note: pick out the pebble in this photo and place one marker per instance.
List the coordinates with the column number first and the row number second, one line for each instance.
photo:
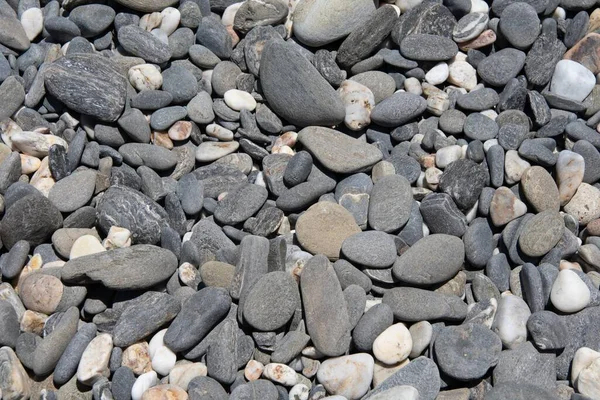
column 505, row 206
column 239, row 100
column 499, row 68
column 426, row 47
column 519, row 24
column 584, row 205
column 541, row 233
column 142, row 384
column 398, row 109
column 569, row 293
column 470, row 26
column 413, row 305
column 32, row 20
column 347, row 376
column 393, row 345
column 211, row 151
column 510, row 320
column 94, row 360
column 572, row 80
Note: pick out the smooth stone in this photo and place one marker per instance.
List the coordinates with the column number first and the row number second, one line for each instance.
column 143, row 383
column 9, row 331
column 441, row 215
column 426, row 47
column 547, row 330
column 12, row 33
column 572, row 80
column 413, row 305
column 393, row 345
column 143, row 44
column 136, row 267
column 520, row 25
column 298, row 168
column 569, row 293
column 424, row 18
column 32, row 20
column 80, row 80
column 318, row 22
column 149, row 155
column 422, row 334
column 381, row 84
column 301, row 96
column 36, row 144
column 499, row 68
column 464, row 191
column 41, row 292
column 92, row 19
column 434, row 259
column 371, row 249
column 279, row 288
column 398, row 109
column 323, row 228
column 584, row 205
column 541, row 233
column 327, row 322
column 347, row 376
column 525, row 365
column 15, row 383
column 211, row 151
column 94, row 360
column 214, row 35
column 505, row 206
column 239, row 100
column 240, row 204
column 390, row 204
column 510, row 322
column 467, row 352
column 570, row 171
column 74, row 191
column 469, row 27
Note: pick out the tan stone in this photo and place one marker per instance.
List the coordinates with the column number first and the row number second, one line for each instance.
column 165, row 392
column 594, row 20
column 184, row 371
column 41, row 293
column 485, row 38
column 216, row 273
column 14, row 382
column 323, row 228
column 540, row 189
column 586, row 52
column 585, row 204
column 137, row 358
column 505, row 206
column 33, row 322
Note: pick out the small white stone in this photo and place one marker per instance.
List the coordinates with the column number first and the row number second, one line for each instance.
column 406, row 5
column 211, row 151
column 479, row 6
column 93, row 364
column 143, row 383
column 514, row 166
column 217, row 131
column 585, row 204
column 160, row 35
column 239, row 100
column 413, row 85
column 32, row 20
column 583, row 358
column 117, row 237
column 510, row 322
column 181, row 130
column 569, row 292
column 472, row 213
column 506, row 206
column 462, row 74
column 438, row 74
column 559, row 13
column 287, row 139
column 421, row 334
column 8, row 127
column 348, row 376
column 489, row 143
column 393, row 345
column 188, row 274
column 572, row 80
column 588, row 381
column 36, row 144
column 299, row 392
column 432, row 177
column 170, row 20
column 570, row 168
column 447, row 155
column 229, row 13
column 150, row 21
column 253, row 370
column 183, row 372
column 281, row 374
column 145, row 77
column 163, row 360
column 491, row 114
column 358, row 101
column 86, row 245
column 156, row 342
column 29, row 164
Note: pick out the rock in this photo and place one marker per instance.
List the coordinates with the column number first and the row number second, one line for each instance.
column 211, row 151
column 279, row 288
column 584, row 52
column 12, row 95
column 49, row 351
column 74, row 191
column 433, row 19
column 240, row 204
column 373, row 322
column 570, row 170
column 518, row 391
column 348, row 376
column 146, row 77
column 520, row 25
column 572, row 80
column 547, row 330
column 499, row 68
column 584, row 205
column 372, row 249
column 301, row 95
column 327, row 322
column 143, row 44
column 256, row 13
column 434, row 259
column 32, row 218
column 541, row 233
column 390, row 203
column 12, row 34
column 89, row 84
column 41, row 293
column 348, row 155
column 358, row 101
column 398, row 109
column 393, row 345
column 426, row 47
column 142, row 384
column 239, row 100
column 510, row 321
column 585, row 371
column 470, row 26
column 94, row 360
column 467, row 352
column 465, row 192
column 32, row 20
column 136, row 267
column 422, row 334
column 442, row 216
column 66, row 366
column 147, row 6
column 280, row 373
column 213, row 35
column 92, row 19
column 183, row 373
column 15, row 382
column 569, row 293
column 323, row 228
column 505, row 206
column 318, row 22
column 411, row 304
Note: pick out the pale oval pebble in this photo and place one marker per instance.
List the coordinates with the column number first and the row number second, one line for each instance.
column 403, row 392
column 94, row 360
column 569, row 292
column 183, row 372
column 42, row 178
column 583, row 358
column 413, row 85
column 405, row 5
column 165, row 392
column 181, row 130
column 217, row 131
column 462, row 74
column 438, row 74
column 281, row 374
column 150, row 21
column 349, row 376
column 163, row 360
column 239, row 100
column 287, row 139
column 514, row 167
column 156, row 342
column 29, row 164
column 479, row 6
column 36, row 144
column 170, row 20
column 421, row 334
column 253, row 370
column 211, row 151
column 570, row 169
column 145, row 77
column 358, row 101
column 188, row 274
column 8, row 127
column 393, row 345
column 32, row 20
column 229, row 13
column 143, row 383
column 86, row 245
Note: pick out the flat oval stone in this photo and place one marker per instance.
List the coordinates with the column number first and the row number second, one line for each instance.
column 338, row 152
column 279, row 290
column 541, row 233
column 147, row 5
column 398, row 109
column 130, row 268
column 211, row 151
column 467, row 352
column 425, row 47
column 143, row 44
column 499, row 68
column 570, row 170
column 372, row 249
column 390, row 203
column 323, row 228
column 74, row 191
column 434, row 259
column 295, row 90
column 92, row 19
column 319, row 22
column 240, row 204
column 470, row 26
column 520, row 24
column 413, row 305
column 540, row 189
column 89, row 84
column 348, row 376
column 327, row 320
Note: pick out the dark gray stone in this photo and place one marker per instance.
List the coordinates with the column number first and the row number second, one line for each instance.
column 122, row 383
column 398, row 109
column 479, row 243
column 61, row 29
column 258, row 13
column 221, row 357
column 390, row 203
column 214, row 36
column 480, row 127
column 9, row 329
column 478, row 100
column 256, row 390
column 134, row 123
column 92, row 19
column 412, row 305
column 464, row 180
column 548, row 331
column 240, row 204
column 206, row 388
column 143, row 44
column 500, row 67
column 427, row 47
column 150, row 100
column 525, row 365
column 298, row 168
column 180, row 83
column 74, row 191
column 51, row 348
column 371, row 249
column 591, row 157
column 372, row 323
column 547, row 50
column 520, row 25
column 426, row 18
column 69, row 360
column 152, row 156
column 13, row 262
column 441, row 215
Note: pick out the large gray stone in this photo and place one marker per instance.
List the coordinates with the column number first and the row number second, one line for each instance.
column 413, row 305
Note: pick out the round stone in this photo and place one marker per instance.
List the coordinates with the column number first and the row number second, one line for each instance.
column 239, row 100
column 372, row 249
column 540, row 189
column 569, row 293
column 393, row 345
column 541, row 233
column 520, row 25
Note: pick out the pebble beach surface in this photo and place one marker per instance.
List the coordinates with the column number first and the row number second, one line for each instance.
column 299, row 199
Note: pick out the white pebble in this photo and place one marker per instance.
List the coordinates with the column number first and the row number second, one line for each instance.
column 572, row 80
column 150, row 21
column 514, row 166
column 299, row 392
column 412, row 85
column 393, row 345
column 447, row 155
column 36, row 144
column 559, row 13
column 32, row 20
column 145, row 77
column 170, row 20
column 348, row 376
column 510, row 322
column 569, row 292
column 211, row 151
column 163, row 360
column 29, row 164
column 93, row 364
column 281, row 374
column 117, row 237
column 143, row 383
column 217, row 131
column 438, row 74
column 358, row 102
column 86, row 245
column 239, row 100
column 462, row 74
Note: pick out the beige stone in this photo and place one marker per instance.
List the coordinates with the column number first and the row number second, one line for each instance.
column 94, row 361
column 137, row 358
column 585, row 204
column 184, row 371
column 165, row 392
column 41, row 293
column 14, row 382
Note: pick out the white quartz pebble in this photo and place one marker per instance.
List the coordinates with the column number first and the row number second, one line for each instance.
column 393, row 345
column 569, row 292
column 239, row 100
